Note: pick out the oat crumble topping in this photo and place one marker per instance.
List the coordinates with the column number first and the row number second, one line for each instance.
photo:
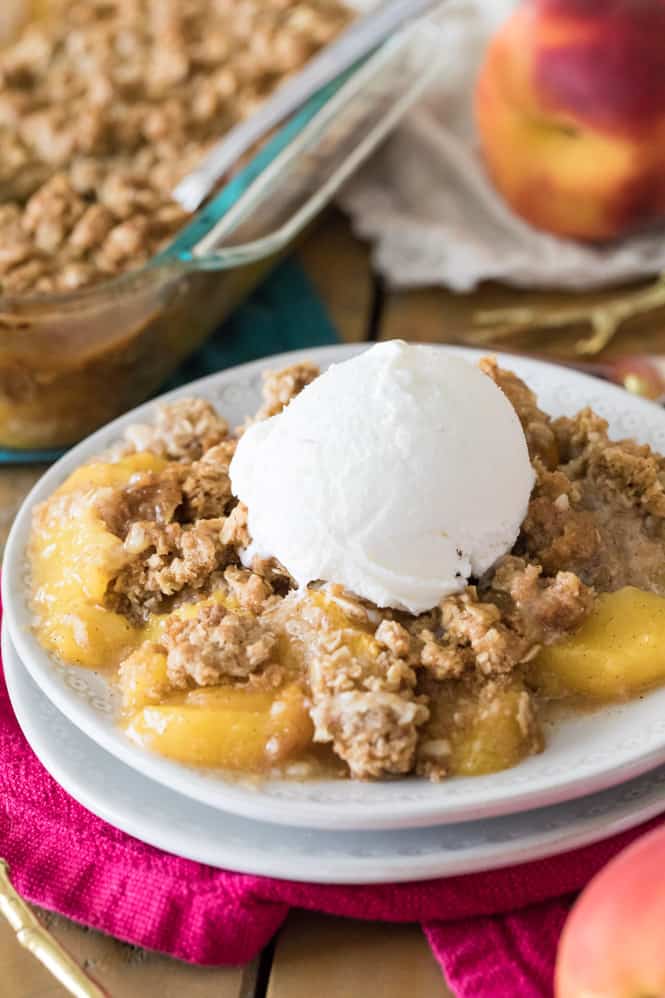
column 216, row 645
column 279, row 387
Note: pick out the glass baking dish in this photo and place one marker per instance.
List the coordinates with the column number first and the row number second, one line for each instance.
column 70, row 362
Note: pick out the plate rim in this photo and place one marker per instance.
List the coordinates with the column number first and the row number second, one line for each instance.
column 361, row 870
column 233, row 796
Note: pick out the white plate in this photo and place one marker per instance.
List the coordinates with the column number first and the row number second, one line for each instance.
column 163, row 818
column 583, row 754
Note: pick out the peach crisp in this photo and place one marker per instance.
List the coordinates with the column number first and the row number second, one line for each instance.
column 142, row 568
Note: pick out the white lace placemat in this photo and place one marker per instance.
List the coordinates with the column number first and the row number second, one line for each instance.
column 432, row 214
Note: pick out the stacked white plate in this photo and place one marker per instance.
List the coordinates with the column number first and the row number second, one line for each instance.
column 598, row 774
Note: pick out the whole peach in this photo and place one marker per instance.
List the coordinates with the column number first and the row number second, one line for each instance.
column 613, row 944
column 570, row 106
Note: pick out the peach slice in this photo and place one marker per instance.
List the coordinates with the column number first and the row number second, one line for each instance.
column 618, row 652
column 226, row 727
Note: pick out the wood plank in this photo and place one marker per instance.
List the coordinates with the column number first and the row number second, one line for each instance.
column 123, row 971
column 337, row 958
column 15, row 483
column 339, row 266
column 415, row 316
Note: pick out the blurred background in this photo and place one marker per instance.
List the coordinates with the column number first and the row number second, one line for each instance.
column 486, row 172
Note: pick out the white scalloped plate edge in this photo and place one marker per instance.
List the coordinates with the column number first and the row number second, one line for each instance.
column 584, row 754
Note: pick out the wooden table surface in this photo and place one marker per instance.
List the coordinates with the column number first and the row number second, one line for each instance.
column 312, row 955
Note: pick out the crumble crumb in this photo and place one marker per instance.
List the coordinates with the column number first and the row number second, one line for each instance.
column 274, row 573
column 393, row 636
column 374, row 733
column 185, row 429
column 163, row 560
column 206, row 486
column 477, row 627
column 279, row 387
column 544, row 610
column 251, row 590
column 363, row 696
column 611, row 530
column 183, row 492
column 444, row 660
column 537, row 425
column 216, row 645
column 492, row 634
column 234, row 531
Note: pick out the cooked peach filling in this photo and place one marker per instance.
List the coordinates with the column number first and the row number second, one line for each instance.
column 223, row 726
column 484, row 733
column 618, row 652
column 73, row 556
column 137, row 571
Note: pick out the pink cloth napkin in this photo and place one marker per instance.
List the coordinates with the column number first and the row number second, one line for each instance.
column 495, row 934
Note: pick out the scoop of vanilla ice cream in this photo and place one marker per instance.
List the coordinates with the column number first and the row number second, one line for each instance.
column 398, row 473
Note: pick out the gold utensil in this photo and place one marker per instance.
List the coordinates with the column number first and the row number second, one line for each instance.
column 32, row 934
column 605, row 319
